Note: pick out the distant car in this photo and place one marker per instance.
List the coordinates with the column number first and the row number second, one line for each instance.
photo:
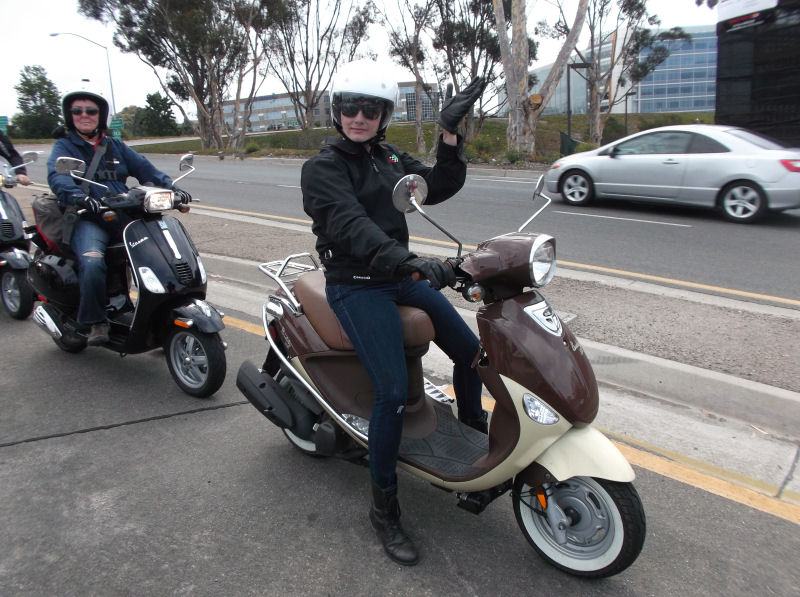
column 740, row 172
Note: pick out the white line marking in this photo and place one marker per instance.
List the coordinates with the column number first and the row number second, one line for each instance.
column 572, row 213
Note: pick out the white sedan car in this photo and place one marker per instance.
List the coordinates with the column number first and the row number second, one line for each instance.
column 740, row 172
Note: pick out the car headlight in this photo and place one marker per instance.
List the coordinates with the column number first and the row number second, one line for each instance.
column 160, row 200
column 543, row 260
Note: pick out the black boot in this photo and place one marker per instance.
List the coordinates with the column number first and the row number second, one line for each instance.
column 481, row 423
column 385, row 517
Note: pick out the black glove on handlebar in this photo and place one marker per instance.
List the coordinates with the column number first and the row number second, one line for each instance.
column 437, row 272
column 181, row 195
column 90, row 204
column 457, row 107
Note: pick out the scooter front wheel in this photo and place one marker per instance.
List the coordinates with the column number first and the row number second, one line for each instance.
column 17, row 294
column 196, row 361
column 606, row 528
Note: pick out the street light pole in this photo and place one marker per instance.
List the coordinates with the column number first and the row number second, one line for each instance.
column 570, row 67
column 108, row 63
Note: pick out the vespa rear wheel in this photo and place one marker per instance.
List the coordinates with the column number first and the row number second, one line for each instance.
column 17, row 294
column 606, row 530
column 196, row 361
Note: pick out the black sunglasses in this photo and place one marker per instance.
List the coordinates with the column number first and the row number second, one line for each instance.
column 370, row 109
column 89, row 111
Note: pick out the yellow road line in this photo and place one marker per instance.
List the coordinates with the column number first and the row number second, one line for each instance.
column 694, row 285
column 596, row 268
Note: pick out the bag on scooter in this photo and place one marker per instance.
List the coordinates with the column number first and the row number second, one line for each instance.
column 50, row 221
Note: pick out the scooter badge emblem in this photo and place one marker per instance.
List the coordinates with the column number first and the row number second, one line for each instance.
column 544, row 315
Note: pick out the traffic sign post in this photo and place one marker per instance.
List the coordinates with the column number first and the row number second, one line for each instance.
column 116, row 127
column 4, row 124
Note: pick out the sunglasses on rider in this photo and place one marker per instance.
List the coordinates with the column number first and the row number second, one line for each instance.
column 89, row 111
column 370, row 109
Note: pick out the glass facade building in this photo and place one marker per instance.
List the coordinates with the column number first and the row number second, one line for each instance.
column 686, row 81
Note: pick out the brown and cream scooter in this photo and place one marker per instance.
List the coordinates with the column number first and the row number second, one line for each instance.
column 571, row 488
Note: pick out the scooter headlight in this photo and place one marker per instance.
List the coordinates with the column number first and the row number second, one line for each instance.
column 543, row 260
column 538, row 411
column 151, row 281
column 160, row 200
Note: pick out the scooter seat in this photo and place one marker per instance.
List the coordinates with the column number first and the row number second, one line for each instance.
column 310, row 291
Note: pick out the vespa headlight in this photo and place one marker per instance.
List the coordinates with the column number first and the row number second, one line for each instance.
column 538, row 411
column 151, row 281
column 160, row 200
column 543, row 260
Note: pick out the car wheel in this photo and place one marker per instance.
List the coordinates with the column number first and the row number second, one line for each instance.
column 577, row 188
column 743, row 202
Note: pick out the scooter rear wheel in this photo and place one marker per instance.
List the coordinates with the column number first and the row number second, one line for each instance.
column 196, row 361
column 607, row 525
column 17, row 294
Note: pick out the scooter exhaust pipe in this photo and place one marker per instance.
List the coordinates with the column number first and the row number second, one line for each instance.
column 43, row 319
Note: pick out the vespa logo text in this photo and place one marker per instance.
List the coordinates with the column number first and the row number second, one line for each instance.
column 138, row 242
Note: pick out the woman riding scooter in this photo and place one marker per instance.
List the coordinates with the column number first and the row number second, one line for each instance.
column 111, row 162
column 363, row 243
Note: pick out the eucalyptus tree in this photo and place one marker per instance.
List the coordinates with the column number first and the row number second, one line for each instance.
column 306, row 44
column 196, row 48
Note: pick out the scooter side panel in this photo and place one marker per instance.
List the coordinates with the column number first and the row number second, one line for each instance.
column 554, row 367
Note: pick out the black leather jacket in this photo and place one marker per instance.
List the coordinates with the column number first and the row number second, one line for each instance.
column 347, row 191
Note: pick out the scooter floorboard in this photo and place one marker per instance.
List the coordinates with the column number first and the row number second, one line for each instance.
column 449, row 450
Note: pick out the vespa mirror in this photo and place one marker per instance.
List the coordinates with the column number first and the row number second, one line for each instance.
column 409, row 190
column 66, row 165
column 186, row 162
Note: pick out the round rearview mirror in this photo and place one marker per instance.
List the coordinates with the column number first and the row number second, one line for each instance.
column 30, row 156
column 539, row 187
column 187, row 160
column 411, row 186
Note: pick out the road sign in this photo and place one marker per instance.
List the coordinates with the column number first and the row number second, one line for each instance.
column 4, row 124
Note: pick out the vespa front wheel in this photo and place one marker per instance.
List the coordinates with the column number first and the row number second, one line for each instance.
column 605, row 531
column 17, row 293
column 196, row 361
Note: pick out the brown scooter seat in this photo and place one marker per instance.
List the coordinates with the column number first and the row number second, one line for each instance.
column 310, row 291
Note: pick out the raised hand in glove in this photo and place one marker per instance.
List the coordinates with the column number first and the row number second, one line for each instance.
column 181, row 195
column 456, row 107
column 90, row 204
column 438, row 273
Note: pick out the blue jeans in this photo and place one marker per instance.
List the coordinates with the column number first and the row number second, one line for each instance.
column 89, row 242
column 369, row 316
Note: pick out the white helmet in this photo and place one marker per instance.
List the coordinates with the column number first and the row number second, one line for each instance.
column 96, row 97
column 364, row 79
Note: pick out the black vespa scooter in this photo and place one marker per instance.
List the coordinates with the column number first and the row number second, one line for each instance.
column 17, row 296
column 156, row 288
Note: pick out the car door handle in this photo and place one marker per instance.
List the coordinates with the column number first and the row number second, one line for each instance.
column 671, row 162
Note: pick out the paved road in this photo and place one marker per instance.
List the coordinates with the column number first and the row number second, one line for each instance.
column 122, row 489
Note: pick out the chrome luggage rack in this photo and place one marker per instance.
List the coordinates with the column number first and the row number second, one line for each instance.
column 286, row 272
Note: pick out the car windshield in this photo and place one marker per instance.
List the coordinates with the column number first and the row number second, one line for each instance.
column 757, row 139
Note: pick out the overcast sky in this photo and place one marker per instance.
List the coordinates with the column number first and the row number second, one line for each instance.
column 67, row 59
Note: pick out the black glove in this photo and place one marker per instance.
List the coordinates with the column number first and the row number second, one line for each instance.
column 455, row 108
column 437, row 272
column 90, row 204
column 181, row 195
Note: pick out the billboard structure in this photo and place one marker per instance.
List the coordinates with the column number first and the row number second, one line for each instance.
column 758, row 66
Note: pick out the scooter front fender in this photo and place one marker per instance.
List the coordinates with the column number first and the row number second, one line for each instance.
column 15, row 259
column 580, row 452
column 202, row 315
